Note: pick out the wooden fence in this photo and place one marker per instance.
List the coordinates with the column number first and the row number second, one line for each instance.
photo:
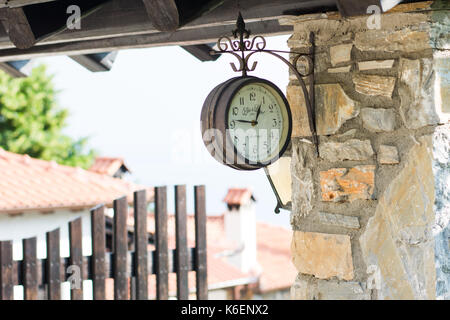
column 129, row 269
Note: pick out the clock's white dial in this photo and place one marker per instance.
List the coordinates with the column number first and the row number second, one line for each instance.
column 257, row 122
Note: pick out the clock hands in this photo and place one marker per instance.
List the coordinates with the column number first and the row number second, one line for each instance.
column 254, row 123
column 258, row 112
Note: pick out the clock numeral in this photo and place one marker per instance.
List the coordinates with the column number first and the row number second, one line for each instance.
column 232, row 124
column 252, row 96
column 235, row 110
column 271, row 108
column 263, row 100
column 241, row 101
column 274, row 122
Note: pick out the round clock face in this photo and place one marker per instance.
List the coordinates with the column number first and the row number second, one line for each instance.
column 246, row 123
column 258, row 122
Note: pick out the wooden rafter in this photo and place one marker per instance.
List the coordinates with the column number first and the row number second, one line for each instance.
column 29, row 24
column 18, row 27
column 180, row 38
column 163, row 14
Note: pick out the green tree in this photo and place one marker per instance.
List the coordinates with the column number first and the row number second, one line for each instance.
column 31, row 122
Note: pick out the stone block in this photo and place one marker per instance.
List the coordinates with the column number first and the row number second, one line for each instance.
column 416, row 90
column 338, row 220
column 340, row 53
column 352, row 149
column 398, row 241
column 378, row 120
column 342, row 184
column 404, row 40
column 388, row 155
column 345, row 69
column 333, row 108
column 341, row 290
column 375, row 64
column 302, row 179
column 303, row 289
column 322, row 255
column 373, row 85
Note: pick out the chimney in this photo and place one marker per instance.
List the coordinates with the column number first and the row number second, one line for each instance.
column 240, row 228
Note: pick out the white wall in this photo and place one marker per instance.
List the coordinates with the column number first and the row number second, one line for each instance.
column 240, row 228
column 35, row 224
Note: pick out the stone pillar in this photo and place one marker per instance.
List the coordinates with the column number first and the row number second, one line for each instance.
column 371, row 214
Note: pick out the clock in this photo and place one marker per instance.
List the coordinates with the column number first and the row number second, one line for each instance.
column 246, row 123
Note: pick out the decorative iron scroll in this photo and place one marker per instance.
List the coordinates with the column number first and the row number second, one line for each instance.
column 243, row 48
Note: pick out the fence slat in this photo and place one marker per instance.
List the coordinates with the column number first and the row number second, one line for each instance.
column 30, row 269
column 141, row 243
column 53, row 266
column 6, row 269
column 76, row 259
column 98, row 252
column 181, row 258
column 120, row 249
column 200, row 243
column 161, row 244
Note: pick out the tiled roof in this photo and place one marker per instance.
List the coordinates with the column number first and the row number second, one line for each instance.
column 273, row 254
column 238, row 196
column 28, row 184
column 109, row 166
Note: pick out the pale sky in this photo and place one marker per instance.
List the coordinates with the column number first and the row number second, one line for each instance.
column 147, row 110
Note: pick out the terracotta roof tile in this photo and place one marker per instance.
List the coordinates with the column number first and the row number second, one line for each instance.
column 107, row 165
column 29, row 184
column 238, row 196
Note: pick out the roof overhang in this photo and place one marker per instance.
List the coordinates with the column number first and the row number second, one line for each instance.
column 112, row 25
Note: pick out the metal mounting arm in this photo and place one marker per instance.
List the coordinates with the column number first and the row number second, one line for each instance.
column 244, row 48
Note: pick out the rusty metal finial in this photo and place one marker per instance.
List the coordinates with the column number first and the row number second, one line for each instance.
column 243, row 48
column 240, row 28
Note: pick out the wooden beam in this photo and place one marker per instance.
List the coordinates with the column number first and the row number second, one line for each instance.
column 348, row 8
column 119, row 18
column 201, row 52
column 163, row 14
column 18, row 28
column 97, row 62
column 12, row 70
column 20, row 3
column 27, row 25
column 180, row 38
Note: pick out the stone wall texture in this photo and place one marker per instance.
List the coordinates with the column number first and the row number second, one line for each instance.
column 371, row 214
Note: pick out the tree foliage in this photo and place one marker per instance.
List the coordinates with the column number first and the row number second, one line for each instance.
column 31, row 122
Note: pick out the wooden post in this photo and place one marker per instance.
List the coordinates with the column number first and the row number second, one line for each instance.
column 76, row 258
column 53, row 266
column 181, row 258
column 29, row 269
column 200, row 243
column 120, row 249
column 141, row 243
column 6, row 283
column 98, row 252
column 162, row 262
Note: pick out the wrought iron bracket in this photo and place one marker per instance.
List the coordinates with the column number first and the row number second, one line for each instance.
column 243, row 48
